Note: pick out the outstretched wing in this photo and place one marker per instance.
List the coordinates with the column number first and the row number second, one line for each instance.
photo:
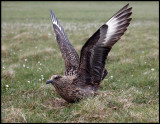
column 95, row 51
column 69, row 54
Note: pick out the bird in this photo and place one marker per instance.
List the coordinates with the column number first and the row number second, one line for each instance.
column 83, row 75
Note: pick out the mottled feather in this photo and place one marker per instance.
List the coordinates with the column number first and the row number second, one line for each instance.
column 69, row 54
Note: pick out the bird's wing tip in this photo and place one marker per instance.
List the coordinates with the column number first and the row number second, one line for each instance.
column 126, row 6
column 50, row 10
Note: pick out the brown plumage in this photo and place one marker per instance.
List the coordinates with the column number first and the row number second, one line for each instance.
column 83, row 76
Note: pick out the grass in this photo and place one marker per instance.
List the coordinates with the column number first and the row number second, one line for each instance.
column 30, row 55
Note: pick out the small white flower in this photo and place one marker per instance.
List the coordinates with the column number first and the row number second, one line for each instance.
column 6, row 86
column 28, row 81
column 36, row 47
column 152, row 69
column 3, row 67
column 24, row 65
column 41, row 75
column 145, row 62
column 40, row 64
column 42, row 78
column 111, row 76
column 39, row 79
column 145, row 73
column 25, row 60
column 149, row 87
column 132, row 75
column 27, row 66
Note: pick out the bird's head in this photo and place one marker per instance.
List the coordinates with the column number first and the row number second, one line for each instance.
column 60, row 82
column 55, row 79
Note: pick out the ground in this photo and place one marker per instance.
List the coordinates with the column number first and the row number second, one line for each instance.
column 30, row 55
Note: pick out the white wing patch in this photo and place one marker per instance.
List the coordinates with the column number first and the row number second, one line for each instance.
column 54, row 21
column 112, row 26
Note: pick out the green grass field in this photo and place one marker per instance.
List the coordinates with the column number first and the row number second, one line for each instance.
column 30, row 55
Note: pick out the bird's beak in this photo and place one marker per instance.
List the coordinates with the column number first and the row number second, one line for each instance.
column 49, row 81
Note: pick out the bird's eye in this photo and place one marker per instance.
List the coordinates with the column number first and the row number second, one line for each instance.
column 57, row 77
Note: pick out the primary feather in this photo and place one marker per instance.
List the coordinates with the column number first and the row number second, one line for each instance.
column 95, row 51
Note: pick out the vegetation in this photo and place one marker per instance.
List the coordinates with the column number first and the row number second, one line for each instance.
column 30, row 55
